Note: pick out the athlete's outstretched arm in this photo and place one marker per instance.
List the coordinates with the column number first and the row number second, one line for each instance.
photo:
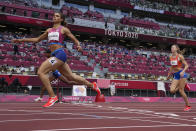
column 34, row 40
column 68, row 33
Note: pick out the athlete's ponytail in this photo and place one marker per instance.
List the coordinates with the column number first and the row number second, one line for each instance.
column 181, row 51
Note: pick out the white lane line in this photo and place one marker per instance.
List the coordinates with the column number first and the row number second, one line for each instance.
column 74, row 107
column 87, row 115
column 121, row 127
column 31, row 111
column 68, row 113
column 168, row 105
column 138, row 111
column 27, row 120
column 188, row 112
column 71, row 113
column 90, row 113
column 21, row 114
column 136, row 119
column 95, row 116
column 163, row 105
column 22, row 108
column 42, row 108
column 127, row 110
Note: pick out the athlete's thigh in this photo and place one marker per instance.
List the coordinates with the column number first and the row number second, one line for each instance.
column 174, row 84
column 182, row 83
column 50, row 64
column 65, row 70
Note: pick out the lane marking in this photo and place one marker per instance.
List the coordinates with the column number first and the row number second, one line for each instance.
column 137, row 111
column 92, row 116
column 121, row 127
column 27, row 120
column 121, row 109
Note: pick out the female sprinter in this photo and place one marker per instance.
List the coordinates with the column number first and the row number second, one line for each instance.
column 52, row 76
column 55, row 37
column 180, row 77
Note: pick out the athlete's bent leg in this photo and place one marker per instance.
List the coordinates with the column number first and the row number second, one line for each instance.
column 183, row 94
column 66, row 71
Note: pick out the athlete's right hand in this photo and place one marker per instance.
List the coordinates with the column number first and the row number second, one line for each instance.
column 16, row 41
column 168, row 77
column 79, row 48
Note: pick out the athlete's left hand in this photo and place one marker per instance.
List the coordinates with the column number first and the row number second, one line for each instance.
column 181, row 74
column 79, row 48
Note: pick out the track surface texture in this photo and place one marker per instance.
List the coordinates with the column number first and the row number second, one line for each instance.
column 97, row 117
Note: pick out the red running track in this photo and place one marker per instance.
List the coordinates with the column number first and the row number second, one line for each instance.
column 97, row 116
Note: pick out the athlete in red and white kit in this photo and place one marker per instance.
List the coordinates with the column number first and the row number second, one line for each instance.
column 179, row 74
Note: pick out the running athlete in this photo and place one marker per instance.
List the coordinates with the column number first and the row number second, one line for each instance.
column 179, row 75
column 52, row 76
column 55, row 37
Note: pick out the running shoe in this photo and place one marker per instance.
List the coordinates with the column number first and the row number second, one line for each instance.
column 96, row 88
column 187, row 108
column 187, row 87
column 38, row 99
column 51, row 101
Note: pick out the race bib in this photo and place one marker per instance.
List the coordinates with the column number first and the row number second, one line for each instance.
column 53, row 36
column 52, row 60
column 174, row 62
